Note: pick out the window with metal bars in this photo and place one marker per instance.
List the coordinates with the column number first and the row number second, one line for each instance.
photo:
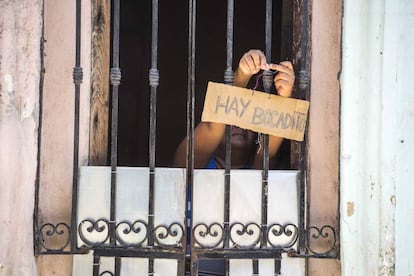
column 189, row 43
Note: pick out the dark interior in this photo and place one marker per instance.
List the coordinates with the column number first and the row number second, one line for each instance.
column 135, row 57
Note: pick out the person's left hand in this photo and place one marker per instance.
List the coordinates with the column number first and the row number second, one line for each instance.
column 284, row 79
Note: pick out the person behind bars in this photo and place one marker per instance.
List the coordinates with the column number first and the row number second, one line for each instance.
column 209, row 137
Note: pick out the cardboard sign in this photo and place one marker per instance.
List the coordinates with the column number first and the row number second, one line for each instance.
column 255, row 110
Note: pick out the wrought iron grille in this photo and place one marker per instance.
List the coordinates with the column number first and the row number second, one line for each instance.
column 169, row 241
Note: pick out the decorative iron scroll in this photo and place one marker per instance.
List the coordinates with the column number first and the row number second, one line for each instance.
column 96, row 233
column 279, row 237
column 245, row 236
column 169, row 236
column 327, row 235
column 320, row 242
column 138, row 228
column 277, row 231
column 54, row 237
column 107, row 272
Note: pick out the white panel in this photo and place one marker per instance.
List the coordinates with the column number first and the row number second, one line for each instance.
column 134, row 266
column 169, row 207
column 132, row 189
column 283, row 203
column 208, row 203
column 82, row 265
column 245, row 207
column 164, row 267
column 241, row 268
column 284, row 209
column 93, row 199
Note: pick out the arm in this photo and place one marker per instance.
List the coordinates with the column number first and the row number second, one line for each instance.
column 207, row 135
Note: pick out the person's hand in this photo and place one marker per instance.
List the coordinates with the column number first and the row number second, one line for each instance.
column 252, row 62
column 284, row 79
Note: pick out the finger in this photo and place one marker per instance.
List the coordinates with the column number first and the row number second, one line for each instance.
column 257, row 59
column 284, row 88
column 281, row 68
column 284, row 76
column 246, row 64
column 287, row 64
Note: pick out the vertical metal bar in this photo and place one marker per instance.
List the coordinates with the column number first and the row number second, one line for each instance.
column 77, row 80
column 96, row 265
column 228, row 73
column 228, row 79
column 153, row 82
column 278, row 266
column 117, row 266
column 304, row 87
column 267, row 83
column 181, row 266
column 190, row 121
column 255, row 263
column 39, row 146
column 115, row 78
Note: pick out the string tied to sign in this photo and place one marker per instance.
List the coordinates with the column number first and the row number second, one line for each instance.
column 259, row 135
column 258, row 76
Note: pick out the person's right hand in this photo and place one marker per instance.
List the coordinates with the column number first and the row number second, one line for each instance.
column 252, row 62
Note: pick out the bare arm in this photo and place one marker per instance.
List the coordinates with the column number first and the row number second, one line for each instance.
column 208, row 135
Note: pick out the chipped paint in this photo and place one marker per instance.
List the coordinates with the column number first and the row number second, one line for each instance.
column 350, row 208
column 393, row 200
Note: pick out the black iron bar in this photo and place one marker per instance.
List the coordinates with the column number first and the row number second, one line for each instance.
column 255, row 264
column 190, row 123
column 77, row 79
column 153, row 82
column 278, row 267
column 228, row 79
column 236, row 253
column 118, row 263
column 267, row 84
column 36, row 237
column 96, row 264
column 115, row 77
column 304, row 92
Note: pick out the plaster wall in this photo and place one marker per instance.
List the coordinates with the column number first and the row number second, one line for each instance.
column 20, row 32
column 376, row 138
column 324, row 125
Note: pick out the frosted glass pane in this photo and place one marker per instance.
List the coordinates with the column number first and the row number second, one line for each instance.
column 134, row 266
column 169, row 208
column 132, row 197
column 208, row 205
column 93, row 201
column 165, row 267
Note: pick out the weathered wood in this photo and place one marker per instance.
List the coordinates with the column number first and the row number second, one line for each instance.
column 99, row 117
column 301, row 55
